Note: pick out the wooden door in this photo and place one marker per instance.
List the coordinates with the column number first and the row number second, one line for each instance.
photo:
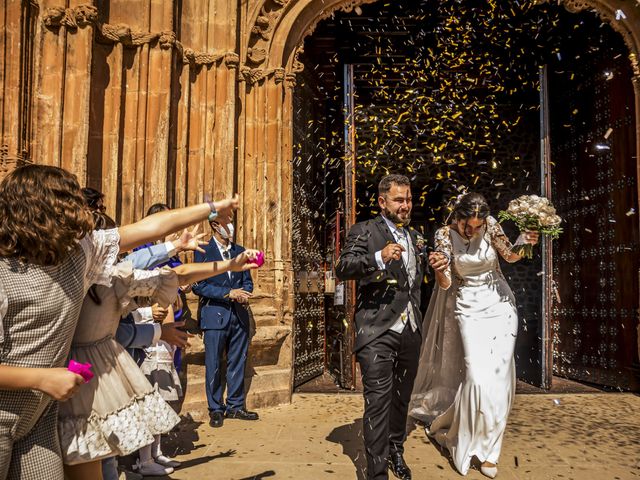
column 595, row 262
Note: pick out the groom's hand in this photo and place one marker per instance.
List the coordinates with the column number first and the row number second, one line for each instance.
column 393, row 251
column 438, row 261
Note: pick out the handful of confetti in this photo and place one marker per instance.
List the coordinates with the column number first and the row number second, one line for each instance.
column 82, row 369
column 532, row 213
column 259, row 260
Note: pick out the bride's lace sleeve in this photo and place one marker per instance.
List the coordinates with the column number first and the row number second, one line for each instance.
column 500, row 241
column 443, row 244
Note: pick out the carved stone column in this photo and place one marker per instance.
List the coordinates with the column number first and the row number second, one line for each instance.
column 264, row 182
column 16, row 55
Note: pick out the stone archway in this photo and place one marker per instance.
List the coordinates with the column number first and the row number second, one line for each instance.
column 271, row 43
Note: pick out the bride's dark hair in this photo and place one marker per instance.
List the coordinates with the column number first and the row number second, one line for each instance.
column 471, row 205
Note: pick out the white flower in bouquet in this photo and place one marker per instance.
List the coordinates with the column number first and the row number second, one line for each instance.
column 532, row 213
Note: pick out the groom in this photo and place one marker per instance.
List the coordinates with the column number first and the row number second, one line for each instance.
column 384, row 256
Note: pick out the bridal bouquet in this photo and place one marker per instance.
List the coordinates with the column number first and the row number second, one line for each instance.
column 534, row 213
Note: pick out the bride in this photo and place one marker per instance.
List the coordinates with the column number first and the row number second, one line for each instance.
column 465, row 384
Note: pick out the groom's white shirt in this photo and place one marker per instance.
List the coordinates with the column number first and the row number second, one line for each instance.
column 402, row 237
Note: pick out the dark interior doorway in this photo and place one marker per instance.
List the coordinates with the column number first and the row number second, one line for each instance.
column 449, row 93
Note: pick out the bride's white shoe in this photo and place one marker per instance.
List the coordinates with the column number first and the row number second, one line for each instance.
column 490, row 472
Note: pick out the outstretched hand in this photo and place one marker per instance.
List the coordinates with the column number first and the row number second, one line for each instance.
column 190, row 240
column 241, row 263
column 226, row 207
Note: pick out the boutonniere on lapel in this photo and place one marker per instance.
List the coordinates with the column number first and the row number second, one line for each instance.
column 419, row 242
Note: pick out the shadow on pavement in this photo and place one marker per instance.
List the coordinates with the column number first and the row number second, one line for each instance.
column 350, row 438
column 182, row 439
column 260, row 476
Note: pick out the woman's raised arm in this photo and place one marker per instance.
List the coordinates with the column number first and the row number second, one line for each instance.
column 161, row 224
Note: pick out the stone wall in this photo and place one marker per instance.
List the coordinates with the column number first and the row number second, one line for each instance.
column 141, row 99
column 173, row 100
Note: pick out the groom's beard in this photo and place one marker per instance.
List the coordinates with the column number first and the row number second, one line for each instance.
column 396, row 219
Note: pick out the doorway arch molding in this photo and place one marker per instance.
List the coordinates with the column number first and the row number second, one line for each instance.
column 278, row 29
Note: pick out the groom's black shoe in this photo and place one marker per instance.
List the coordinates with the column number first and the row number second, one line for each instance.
column 399, row 467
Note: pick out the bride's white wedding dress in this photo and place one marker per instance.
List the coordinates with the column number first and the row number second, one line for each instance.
column 465, row 384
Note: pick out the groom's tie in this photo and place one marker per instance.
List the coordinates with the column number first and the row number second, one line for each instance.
column 410, row 265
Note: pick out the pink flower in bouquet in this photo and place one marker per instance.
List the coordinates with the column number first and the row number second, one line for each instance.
column 82, row 369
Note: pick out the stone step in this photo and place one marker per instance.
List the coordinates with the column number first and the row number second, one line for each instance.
column 265, row 315
column 268, row 386
column 266, row 347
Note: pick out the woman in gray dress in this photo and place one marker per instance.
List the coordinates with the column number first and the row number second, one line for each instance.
column 49, row 257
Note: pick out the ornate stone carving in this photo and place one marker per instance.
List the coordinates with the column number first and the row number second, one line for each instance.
column 9, row 162
column 266, row 23
column 167, row 40
column 85, row 15
column 201, row 58
column 231, row 59
column 635, row 64
column 291, row 81
column 80, row 16
column 279, row 75
column 262, row 31
column 256, row 75
column 298, row 66
column 251, row 75
column 256, row 56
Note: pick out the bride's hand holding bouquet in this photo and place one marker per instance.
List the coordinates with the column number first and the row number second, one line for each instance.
column 533, row 215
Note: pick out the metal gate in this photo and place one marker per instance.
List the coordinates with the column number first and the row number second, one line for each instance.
column 595, row 265
column 307, row 237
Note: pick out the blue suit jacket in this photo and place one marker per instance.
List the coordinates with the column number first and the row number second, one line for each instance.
column 215, row 308
column 148, row 256
column 129, row 334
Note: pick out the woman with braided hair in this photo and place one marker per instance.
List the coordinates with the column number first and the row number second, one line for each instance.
column 465, row 384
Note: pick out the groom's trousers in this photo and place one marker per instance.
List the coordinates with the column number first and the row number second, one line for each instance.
column 389, row 365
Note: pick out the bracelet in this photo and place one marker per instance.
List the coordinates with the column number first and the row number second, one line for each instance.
column 214, row 214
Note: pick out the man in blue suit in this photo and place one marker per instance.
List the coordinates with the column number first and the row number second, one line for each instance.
column 224, row 319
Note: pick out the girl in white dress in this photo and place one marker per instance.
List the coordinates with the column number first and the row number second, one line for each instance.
column 465, row 384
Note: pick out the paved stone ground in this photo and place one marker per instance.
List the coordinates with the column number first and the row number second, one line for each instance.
column 581, row 437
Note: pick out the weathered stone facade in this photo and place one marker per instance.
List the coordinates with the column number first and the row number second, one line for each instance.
column 169, row 100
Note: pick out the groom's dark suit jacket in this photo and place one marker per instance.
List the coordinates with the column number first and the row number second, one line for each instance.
column 382, row 295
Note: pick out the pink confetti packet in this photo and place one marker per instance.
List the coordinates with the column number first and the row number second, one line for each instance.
column 82, row 369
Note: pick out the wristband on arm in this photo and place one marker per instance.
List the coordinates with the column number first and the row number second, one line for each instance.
column 214, row 214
